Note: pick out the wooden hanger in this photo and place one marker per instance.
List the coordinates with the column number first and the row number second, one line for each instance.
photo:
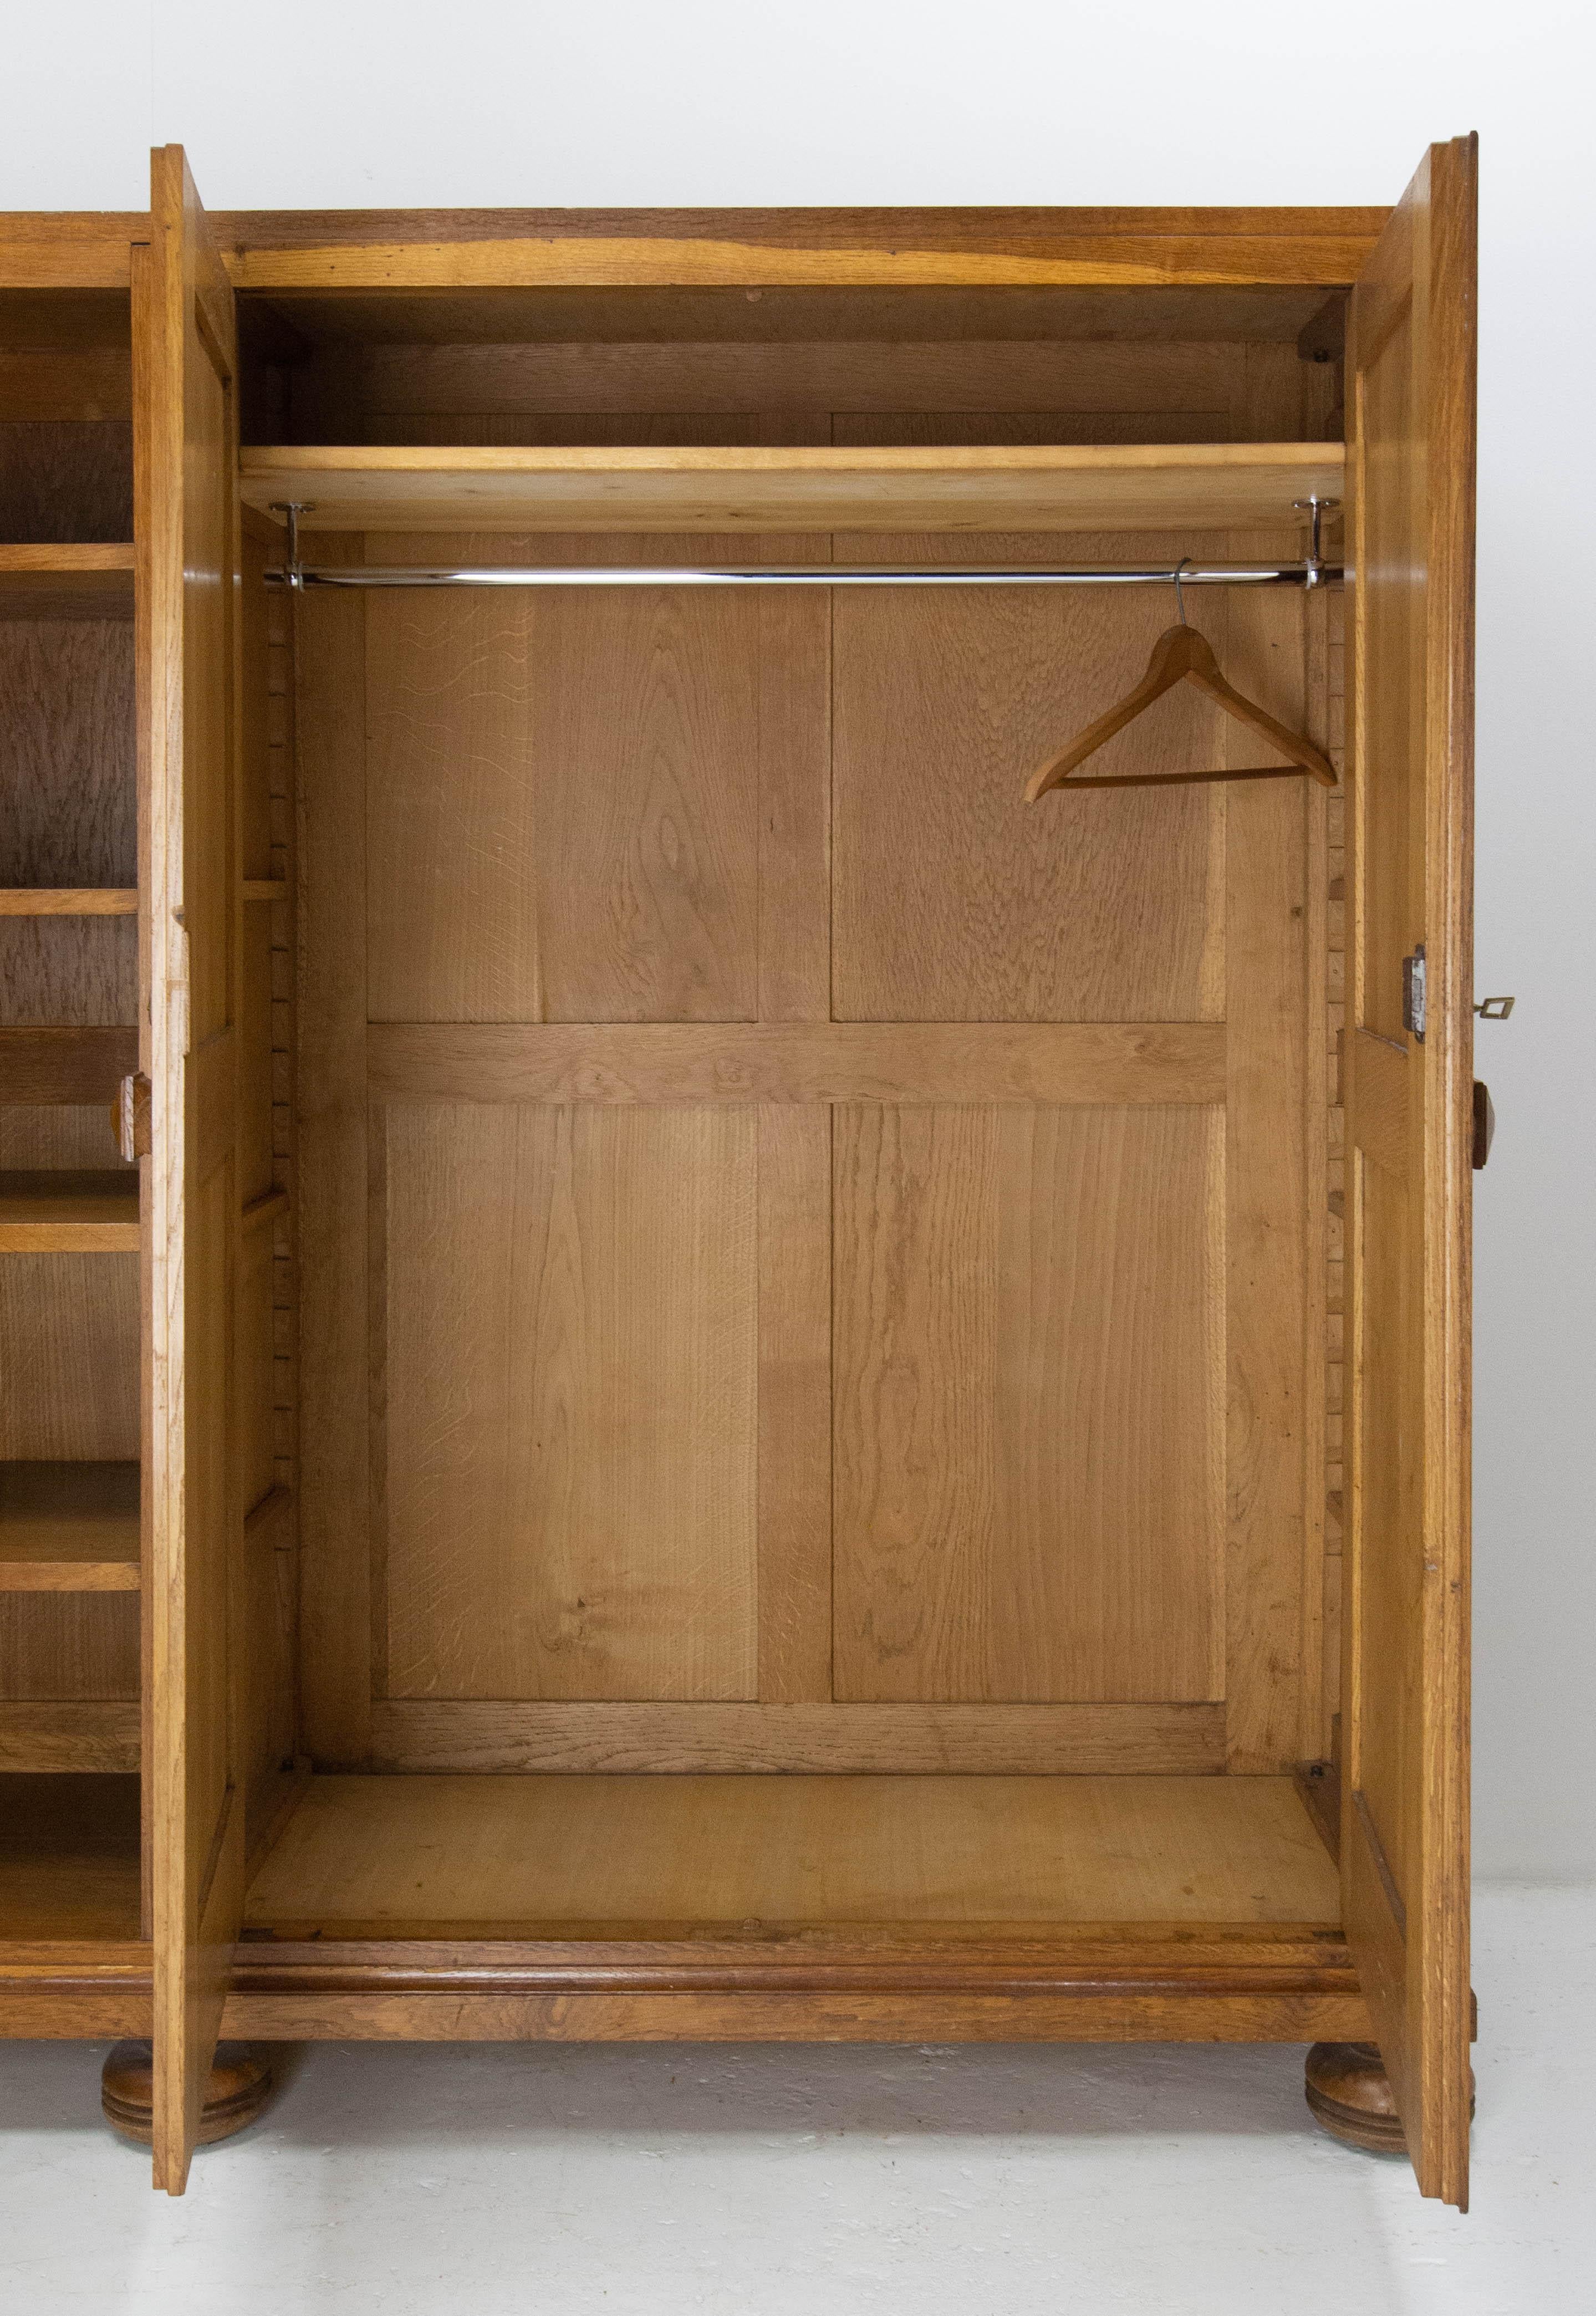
column 1180, row 652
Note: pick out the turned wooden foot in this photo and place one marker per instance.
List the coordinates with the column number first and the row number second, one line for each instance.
column 1349, row 2093
column 240, row 2083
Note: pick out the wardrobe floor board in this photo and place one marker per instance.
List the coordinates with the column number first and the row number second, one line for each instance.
column 503, row 1855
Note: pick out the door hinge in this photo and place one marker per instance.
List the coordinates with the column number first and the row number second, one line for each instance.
column 1412, row 993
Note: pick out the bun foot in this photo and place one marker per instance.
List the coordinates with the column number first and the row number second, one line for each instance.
column 240, row 2085
column 1349, row 2093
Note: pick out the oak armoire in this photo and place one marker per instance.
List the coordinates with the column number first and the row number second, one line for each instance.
column 668, row 1369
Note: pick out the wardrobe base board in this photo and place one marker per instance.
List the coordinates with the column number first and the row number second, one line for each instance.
column 664, row 1857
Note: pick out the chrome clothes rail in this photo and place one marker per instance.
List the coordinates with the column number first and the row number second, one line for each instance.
column 306, row 576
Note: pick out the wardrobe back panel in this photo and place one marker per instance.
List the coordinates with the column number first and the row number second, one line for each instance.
column 611, row 1282
column 679, row 1362
column 955, row 900
column 570, row 1380
column 1029, row 1404
column 510, row 800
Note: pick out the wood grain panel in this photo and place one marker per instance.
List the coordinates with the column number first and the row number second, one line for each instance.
column 66, row 480
column 993, row 1062
column 935, row 2018
column 707, row 1850
column 55, row 971
column 188, row 592
column 976, row 488
column 442, row 250
column 955, row 900
column 795, row 1398
column 69, row 1353
column 255, row 1376
column 1268, row 1004
column 563, row 806
column 256, row 1157
column 1028, row 1387
column 80, row 1736
column 1411, row 377
column 67, row 773
column 1076, row 378
column 802, row 1738
column 899, row 320
column 334, row 1422
column 571, row 1368
column 55, row 1647
column 795, row 789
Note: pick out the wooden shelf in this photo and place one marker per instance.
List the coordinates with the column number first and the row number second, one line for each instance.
column 69, row 1858
column 69, row 901
column 660, row 1856
column 66, row 582
column 66, row 1213
column 68, row 1527
column 90, row 1734
column 1120, row 487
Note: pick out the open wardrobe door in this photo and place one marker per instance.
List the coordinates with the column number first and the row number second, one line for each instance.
column 187, row 531
column 1410, row 430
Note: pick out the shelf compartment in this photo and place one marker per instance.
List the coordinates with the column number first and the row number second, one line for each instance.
column 660, row 1857
column 63, row 1213
column 76, row 1066
column 68, row 1527
column 87, row 582
column 1138, row 486
column 69, row 1858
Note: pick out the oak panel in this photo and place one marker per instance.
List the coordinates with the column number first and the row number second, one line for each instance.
column 56, row 1646
column 727, row 1851
column 571, row 1346
column 990, row 1061
column 1030, row 1395
column 800, row 1739
column 1110, row 486
column 795, row 1398
column 563, row 801
column 1410, row 379
column 69, row 1353
column 67, row 772
column 335, row 1613
column 795, row 2017
column 954, row 899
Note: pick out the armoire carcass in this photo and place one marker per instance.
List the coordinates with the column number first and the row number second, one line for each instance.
column 672, row 1369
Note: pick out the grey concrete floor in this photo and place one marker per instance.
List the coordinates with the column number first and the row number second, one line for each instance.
column 482, row 2179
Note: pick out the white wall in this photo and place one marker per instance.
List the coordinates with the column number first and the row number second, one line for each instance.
column 463, row 102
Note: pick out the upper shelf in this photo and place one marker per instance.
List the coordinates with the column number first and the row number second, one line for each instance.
column 66, row 582
column 1140, row 487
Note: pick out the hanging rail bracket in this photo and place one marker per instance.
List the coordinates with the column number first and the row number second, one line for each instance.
column 292, row 573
